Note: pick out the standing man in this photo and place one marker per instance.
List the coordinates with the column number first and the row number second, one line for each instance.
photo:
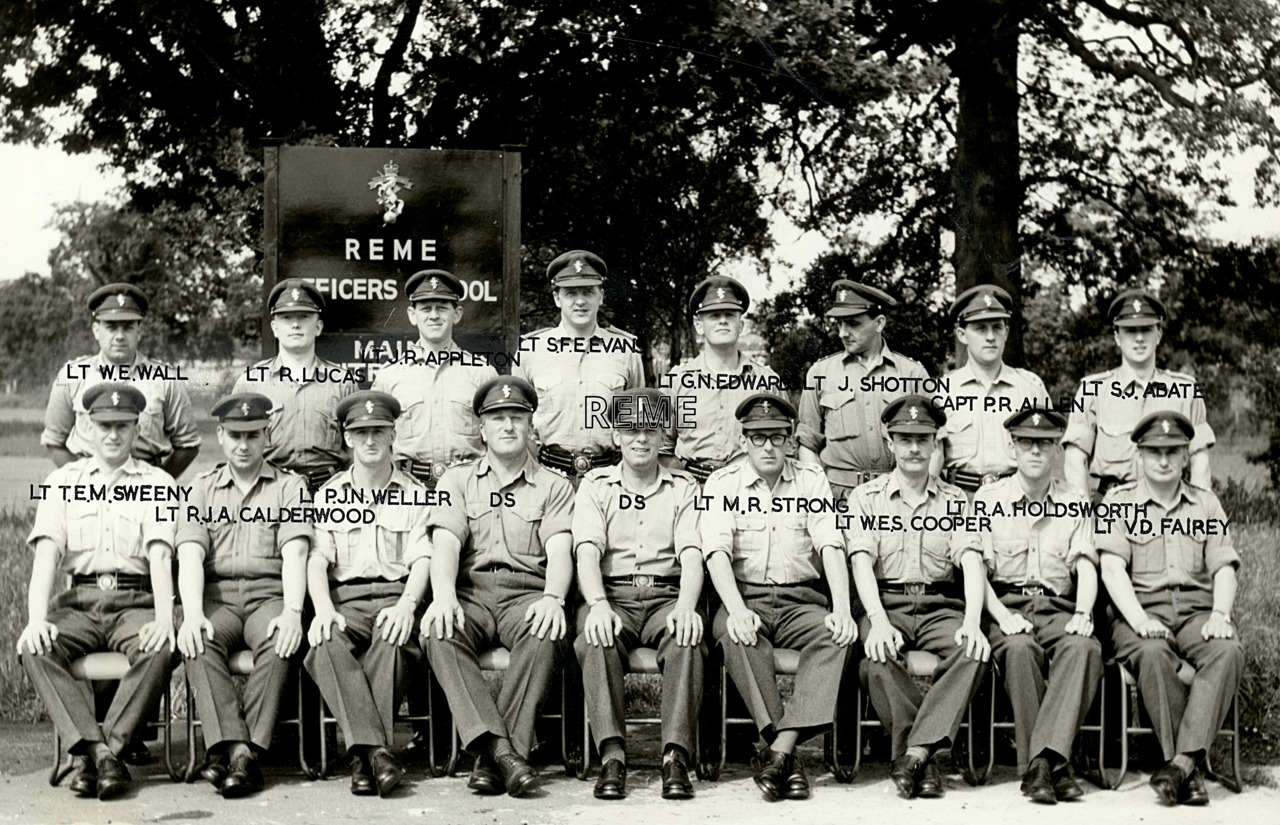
column 840, row 418
column 366, row 582
column 302, row 433
column 640, row 571
column 783, row 582
column 1172, row 580
column 704, row 433
column 501, row 566
column 576, row 368
column 1042, row 586
column 905, row 573
column 435, row 382
column 166, row 433
column 242, row 583
column 1099, row 451
column 975, row 446
column 119, row 560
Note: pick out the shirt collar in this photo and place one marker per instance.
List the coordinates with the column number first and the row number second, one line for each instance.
column 613, row 475
column 563, row 330
column 1144, row 494
column 965, row 375
column 750, row 476
column 884, row 356
column 529, row 469
column 131, row 466
column 224, row 478
column 745, row 364
column 276, row 364
column 895, row 484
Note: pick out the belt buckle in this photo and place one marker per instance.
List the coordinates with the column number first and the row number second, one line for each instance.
column 913, row 588
column 106, row 581
column 642, row 580
column 988, row 478
column 437, row 470
column 1032, row 590
column 581, row 463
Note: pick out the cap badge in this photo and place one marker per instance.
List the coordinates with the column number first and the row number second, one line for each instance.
column 1035, row 420
column 1164, row 425
column 764, row 407
column 115, row 398
column 842, row 295
column 120, row 299
column 295, row 293
column 389, row 184
column 986, row 299
column 577, row 265
column 1137, row 305
column 435, row 282
column 244, row 408
column 720, row 293
column 368, row 407
column 915, row 413
column 506, row 390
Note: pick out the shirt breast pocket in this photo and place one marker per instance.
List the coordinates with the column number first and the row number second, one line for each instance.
column 552, row 389
column 346, row 540
column 462, row 418
column 1147, row 554
column 1114, row 451
column 795, row 536
column 935, row 556
column 962, row 440
column 750, row 534
column 262, row 541
column 840, row 415
column 1011, row 559
column 412, row 421
column 393, row 531
column 522, row 526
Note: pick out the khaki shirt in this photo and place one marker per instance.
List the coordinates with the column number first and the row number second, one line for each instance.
column 385, row 549
column 975, row 439
column 714, row 432
column 241, row 536
column 110, row 535
column 768, row 546
column 565, row 377
column 168, row 422
column 436, row 422
column 1161, row 558
column 492, row 533
column 901, row 553
column 1101, row 422
column 648, row 534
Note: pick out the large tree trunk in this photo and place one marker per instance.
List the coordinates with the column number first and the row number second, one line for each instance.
column 986, row 176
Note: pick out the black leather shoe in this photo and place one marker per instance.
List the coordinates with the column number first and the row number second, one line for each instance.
column 361, row 777
column 906, row 772
column 113, row 777
column 1037, row 782
column 136, row 753
column 519, row 777
column 675, row 778
column 929, row 785
column 1194, row 791
column 612, row 783
column 84, row 782
column 387, row 771
column 797, row 785
column 214, row 770
column 1168, row 783
column 484, row 778
column 244, row 777
column 1065, row 787
column 772, row 771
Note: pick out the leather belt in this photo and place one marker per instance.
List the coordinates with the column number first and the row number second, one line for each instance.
column 701, row 468
column 852, row 478
column 575, row 463
column 643, row 580
column 425, row 471
column 1005, row 589
column 1105, row 483
column 966, row 480
column 495, row 568
column 948, row 589
column 316, row 478
column 113, row 581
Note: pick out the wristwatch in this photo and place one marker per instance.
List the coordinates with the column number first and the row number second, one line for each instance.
column 559, row 599
column 595, row 601
column 294, row 606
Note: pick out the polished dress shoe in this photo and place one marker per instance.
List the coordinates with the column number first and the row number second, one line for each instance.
column 675, row 778
column 136, row 753
column 361, row 777
column 387, row 771
column 772, row 771
column 244, row 778
column 906, row 772
column 1065, row 787
column 1168, row 783
column 214, row 770
column 612, row 783
column 484, row 778
column 797, row 784
column 929, row 785
column 84, row 782
column 519, row 777
column 1038, row 784
column 1194, row 791
column 113, row 776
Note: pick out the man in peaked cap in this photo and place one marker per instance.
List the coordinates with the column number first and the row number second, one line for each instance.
column 1042, row 584
column 635, row 533
column 707, row 436
column 243, row 583
column 904, row 561
column 166, row 434
column 302, row 435
column 783, row 581
column 576, row 365
column 501, row 567
column 1173, row 589
column 975, row 446
column 366, row 583
column 117, row 557
column 840, row 423
column 1099, row 452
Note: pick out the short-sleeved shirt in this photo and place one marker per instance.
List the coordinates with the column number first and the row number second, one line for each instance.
column 1104, row 414
column 513, row 533
column 436, row 423
column 899, row 539
column 166, row 424
column 712, row 398
column 1034, row 543
column 567, row 370
column 242, row 535
column 769, row 539
column 840, row 419
column 304, row 434
column 385, row 549
column 974, row 438
column 1186, row 544
column 636, row 530
column 112, row 532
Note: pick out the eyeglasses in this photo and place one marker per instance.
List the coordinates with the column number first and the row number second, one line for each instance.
column 777, row 439
column 1042, row 443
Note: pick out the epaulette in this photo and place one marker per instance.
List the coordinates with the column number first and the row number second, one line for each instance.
column 726, row 470
column 1097, row 376
column 1120, row 488
column 213, row 470
column 556, row 471
column 677, row 472
column 948, row 487
column 876, row 484
column 536, row 332
column 1181, row 376
column 265, row 362
column 593, row 474
column 621, row 332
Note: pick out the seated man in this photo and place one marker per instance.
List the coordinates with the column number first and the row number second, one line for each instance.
column 242, row 584
column 783, row 581
column 117, row 556
column 1039, row 559
column 640, row 572
column 904, row 566
column 366, row 581
column 501, row 565
column 1173, row 586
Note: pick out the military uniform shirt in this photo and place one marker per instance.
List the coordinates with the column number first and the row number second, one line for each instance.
column 304, row 434
column 385, row 549
column 514, row 535
column 566, row 377
column 909, row 555
column 976, row 440
column 633, row 540
column 714, row 432
column 768, row 547
column 436, row 423
column 166, row 424
column 1162, row 558
column 102, row 536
